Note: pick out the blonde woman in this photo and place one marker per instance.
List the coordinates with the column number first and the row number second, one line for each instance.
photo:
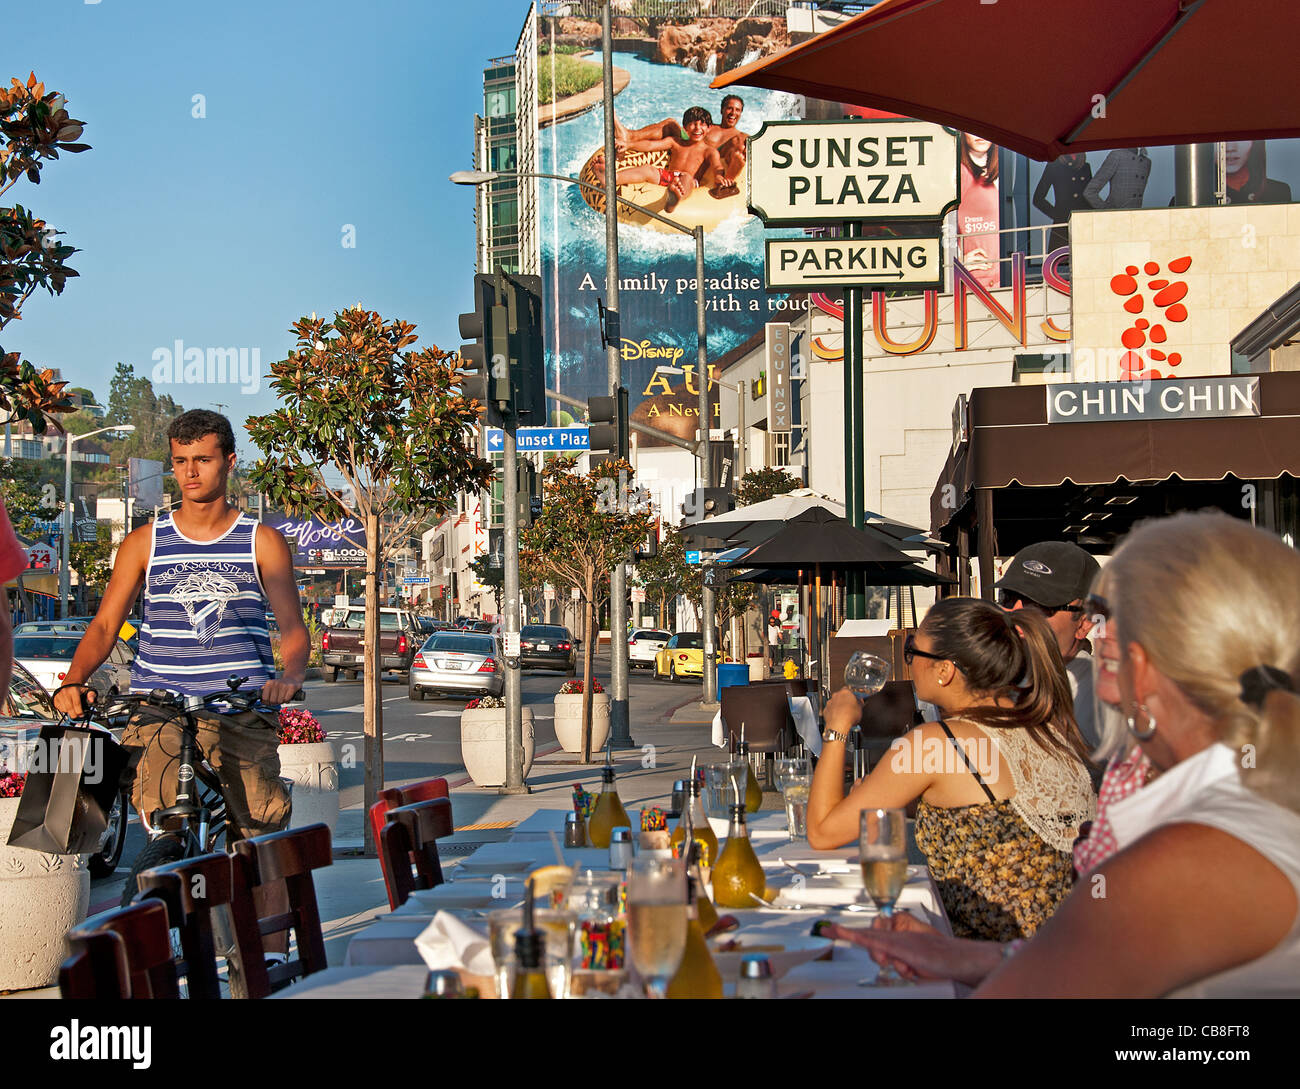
column 1202, row 897
column 1002, row 778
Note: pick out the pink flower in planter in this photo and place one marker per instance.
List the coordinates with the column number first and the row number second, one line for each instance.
column 11, row 785
column 300, row 727
column 574, row 688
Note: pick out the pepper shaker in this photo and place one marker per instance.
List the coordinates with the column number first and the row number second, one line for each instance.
column 756, row 979
column 620, row 849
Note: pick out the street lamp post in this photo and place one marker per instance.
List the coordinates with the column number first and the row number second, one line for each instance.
column 618, row 640
column 65, row 580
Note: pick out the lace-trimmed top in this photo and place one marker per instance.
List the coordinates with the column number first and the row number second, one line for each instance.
column 1054, row 793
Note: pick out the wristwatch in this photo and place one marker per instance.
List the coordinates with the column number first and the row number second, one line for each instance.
column 834, row 735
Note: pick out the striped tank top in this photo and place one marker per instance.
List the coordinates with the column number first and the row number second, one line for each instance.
column 204, row 612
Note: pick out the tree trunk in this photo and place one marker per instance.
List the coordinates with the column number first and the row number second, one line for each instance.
column 372, row 713
column 588, row 653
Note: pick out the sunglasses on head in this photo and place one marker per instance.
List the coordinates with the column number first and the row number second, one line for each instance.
column 911, row 650
column 1009, row 599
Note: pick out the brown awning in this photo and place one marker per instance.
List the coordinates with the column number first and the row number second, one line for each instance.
column 1010, row 441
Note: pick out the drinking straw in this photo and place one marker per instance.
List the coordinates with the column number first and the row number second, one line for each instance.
column 555, row 842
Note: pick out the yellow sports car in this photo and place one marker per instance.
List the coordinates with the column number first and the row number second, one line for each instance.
column 682, row 656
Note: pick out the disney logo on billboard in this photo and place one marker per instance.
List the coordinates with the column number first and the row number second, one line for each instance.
column 632, row 350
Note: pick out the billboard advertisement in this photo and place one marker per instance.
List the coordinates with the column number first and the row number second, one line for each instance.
column 683, row 156
column 85, row 513
column 321, row 544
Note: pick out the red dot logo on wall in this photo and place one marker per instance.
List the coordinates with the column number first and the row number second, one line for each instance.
column 1146, row 342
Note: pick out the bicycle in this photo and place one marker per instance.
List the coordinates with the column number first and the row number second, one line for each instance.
column 196, row 823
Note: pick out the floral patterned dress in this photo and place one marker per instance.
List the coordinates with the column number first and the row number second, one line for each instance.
column 1002, row 867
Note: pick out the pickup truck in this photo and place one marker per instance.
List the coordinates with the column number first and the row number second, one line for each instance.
column 343, row 642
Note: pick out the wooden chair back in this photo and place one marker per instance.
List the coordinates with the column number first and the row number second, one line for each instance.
column 192, row 890
column 137, row 940
column 93, row 970
column 289, row 857
column 764, row 711
column 409, row 847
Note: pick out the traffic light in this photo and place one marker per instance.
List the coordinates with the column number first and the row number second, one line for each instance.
column 507, row 355
column 528, row 493
column 607, row 429
column 707, row 503
column 649, row 548
column 487, row 358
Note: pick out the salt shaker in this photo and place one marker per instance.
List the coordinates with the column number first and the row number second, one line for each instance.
column 620, row 849
column 678, row 799
column 756, row 979
column 443, row 984
column 575, row 830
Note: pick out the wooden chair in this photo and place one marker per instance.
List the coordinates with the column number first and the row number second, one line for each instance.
column 409, row 847
column 93, row 970
column 887, row 715
column 392, row 797
column 133, row 943
column 191, row 890
column 764, row 712
column 288, row 857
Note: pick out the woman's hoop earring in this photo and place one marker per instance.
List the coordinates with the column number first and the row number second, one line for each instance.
column 1149, row 732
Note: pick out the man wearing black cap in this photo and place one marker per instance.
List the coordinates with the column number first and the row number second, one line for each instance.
column 1053, row 577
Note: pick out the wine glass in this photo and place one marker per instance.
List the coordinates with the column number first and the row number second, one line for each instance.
column 866, row 673
column 882, row 850
column 656, row 920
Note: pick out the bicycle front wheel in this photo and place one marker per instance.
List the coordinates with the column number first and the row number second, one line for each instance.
column 170, row 847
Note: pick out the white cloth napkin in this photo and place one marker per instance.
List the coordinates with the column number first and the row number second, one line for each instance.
column 805, row 720
column 447, row 943
column 718, row 739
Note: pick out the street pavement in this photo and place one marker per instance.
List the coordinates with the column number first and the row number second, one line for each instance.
column 422, row 741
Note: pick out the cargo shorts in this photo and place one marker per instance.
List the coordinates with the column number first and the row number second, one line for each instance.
column 241, row 748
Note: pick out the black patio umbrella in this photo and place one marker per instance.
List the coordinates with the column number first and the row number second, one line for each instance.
column 822, row 542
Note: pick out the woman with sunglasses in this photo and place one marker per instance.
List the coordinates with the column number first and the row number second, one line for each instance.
column 1200, row 893
column 1002, row 777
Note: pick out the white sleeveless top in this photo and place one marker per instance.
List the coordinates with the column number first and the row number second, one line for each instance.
column 1207, row 789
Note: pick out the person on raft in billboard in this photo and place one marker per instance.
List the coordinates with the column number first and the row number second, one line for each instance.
column 690, row 162
column 725, row 136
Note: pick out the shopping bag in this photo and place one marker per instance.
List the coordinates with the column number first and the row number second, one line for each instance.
column 73, row 778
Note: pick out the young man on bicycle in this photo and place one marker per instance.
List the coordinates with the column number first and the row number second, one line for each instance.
column 208, row 574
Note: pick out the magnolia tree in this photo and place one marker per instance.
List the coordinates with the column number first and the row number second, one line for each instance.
column 34, row 128
column 395, row 426
column 589, row 522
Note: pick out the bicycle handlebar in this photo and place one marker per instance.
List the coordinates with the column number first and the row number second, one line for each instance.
column 240, row 700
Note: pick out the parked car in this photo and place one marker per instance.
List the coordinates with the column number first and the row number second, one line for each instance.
column 343, row 642
column 129, row 634
column 547, row 646
column 644, row 645
column 48, row 656
column 25, row 708
column 682, row 656
column 461, row 662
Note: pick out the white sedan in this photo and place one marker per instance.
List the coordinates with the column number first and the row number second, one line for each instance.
column 643, row 644
column 48, row 656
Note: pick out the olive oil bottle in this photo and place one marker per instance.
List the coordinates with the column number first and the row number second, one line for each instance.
column 698, row 976
column 737, row 874
column 695, row 819
column 530, row 953
column 608, row 812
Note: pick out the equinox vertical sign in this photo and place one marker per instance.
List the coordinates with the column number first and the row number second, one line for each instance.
column 778, row 376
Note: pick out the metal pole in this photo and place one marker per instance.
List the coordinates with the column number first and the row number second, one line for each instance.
column 619, row 727
column 706, row 459
column 514, row 783
column 740, row 426
column 65, row 545
column 853, row 425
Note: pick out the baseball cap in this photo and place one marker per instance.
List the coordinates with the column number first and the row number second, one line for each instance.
column 1051, row 573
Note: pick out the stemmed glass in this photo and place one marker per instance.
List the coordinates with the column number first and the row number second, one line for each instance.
column 657, row 921
column 866, row 673
column 882, row 850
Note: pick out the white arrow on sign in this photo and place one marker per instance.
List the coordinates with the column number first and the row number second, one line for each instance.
column 496, row 439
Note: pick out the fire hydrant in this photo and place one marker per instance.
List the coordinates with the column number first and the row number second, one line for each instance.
column 790, row 669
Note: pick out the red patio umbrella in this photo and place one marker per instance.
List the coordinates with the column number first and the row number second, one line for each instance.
column 1046, row 77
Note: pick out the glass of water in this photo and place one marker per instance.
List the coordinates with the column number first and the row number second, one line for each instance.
column 866, row 673
column 557, row 927
column 795, row 788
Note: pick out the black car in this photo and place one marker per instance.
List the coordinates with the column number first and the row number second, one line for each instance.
column 547, row 646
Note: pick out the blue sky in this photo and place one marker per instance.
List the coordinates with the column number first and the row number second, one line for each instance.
column 221, row 230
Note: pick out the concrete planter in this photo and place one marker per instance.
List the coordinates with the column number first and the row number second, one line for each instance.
column 483, row 744
column 568, row 720
column 42, row 897
column 757, row 669
column 314, row 770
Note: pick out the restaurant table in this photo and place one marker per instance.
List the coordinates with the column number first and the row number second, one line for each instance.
column 382, row 960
